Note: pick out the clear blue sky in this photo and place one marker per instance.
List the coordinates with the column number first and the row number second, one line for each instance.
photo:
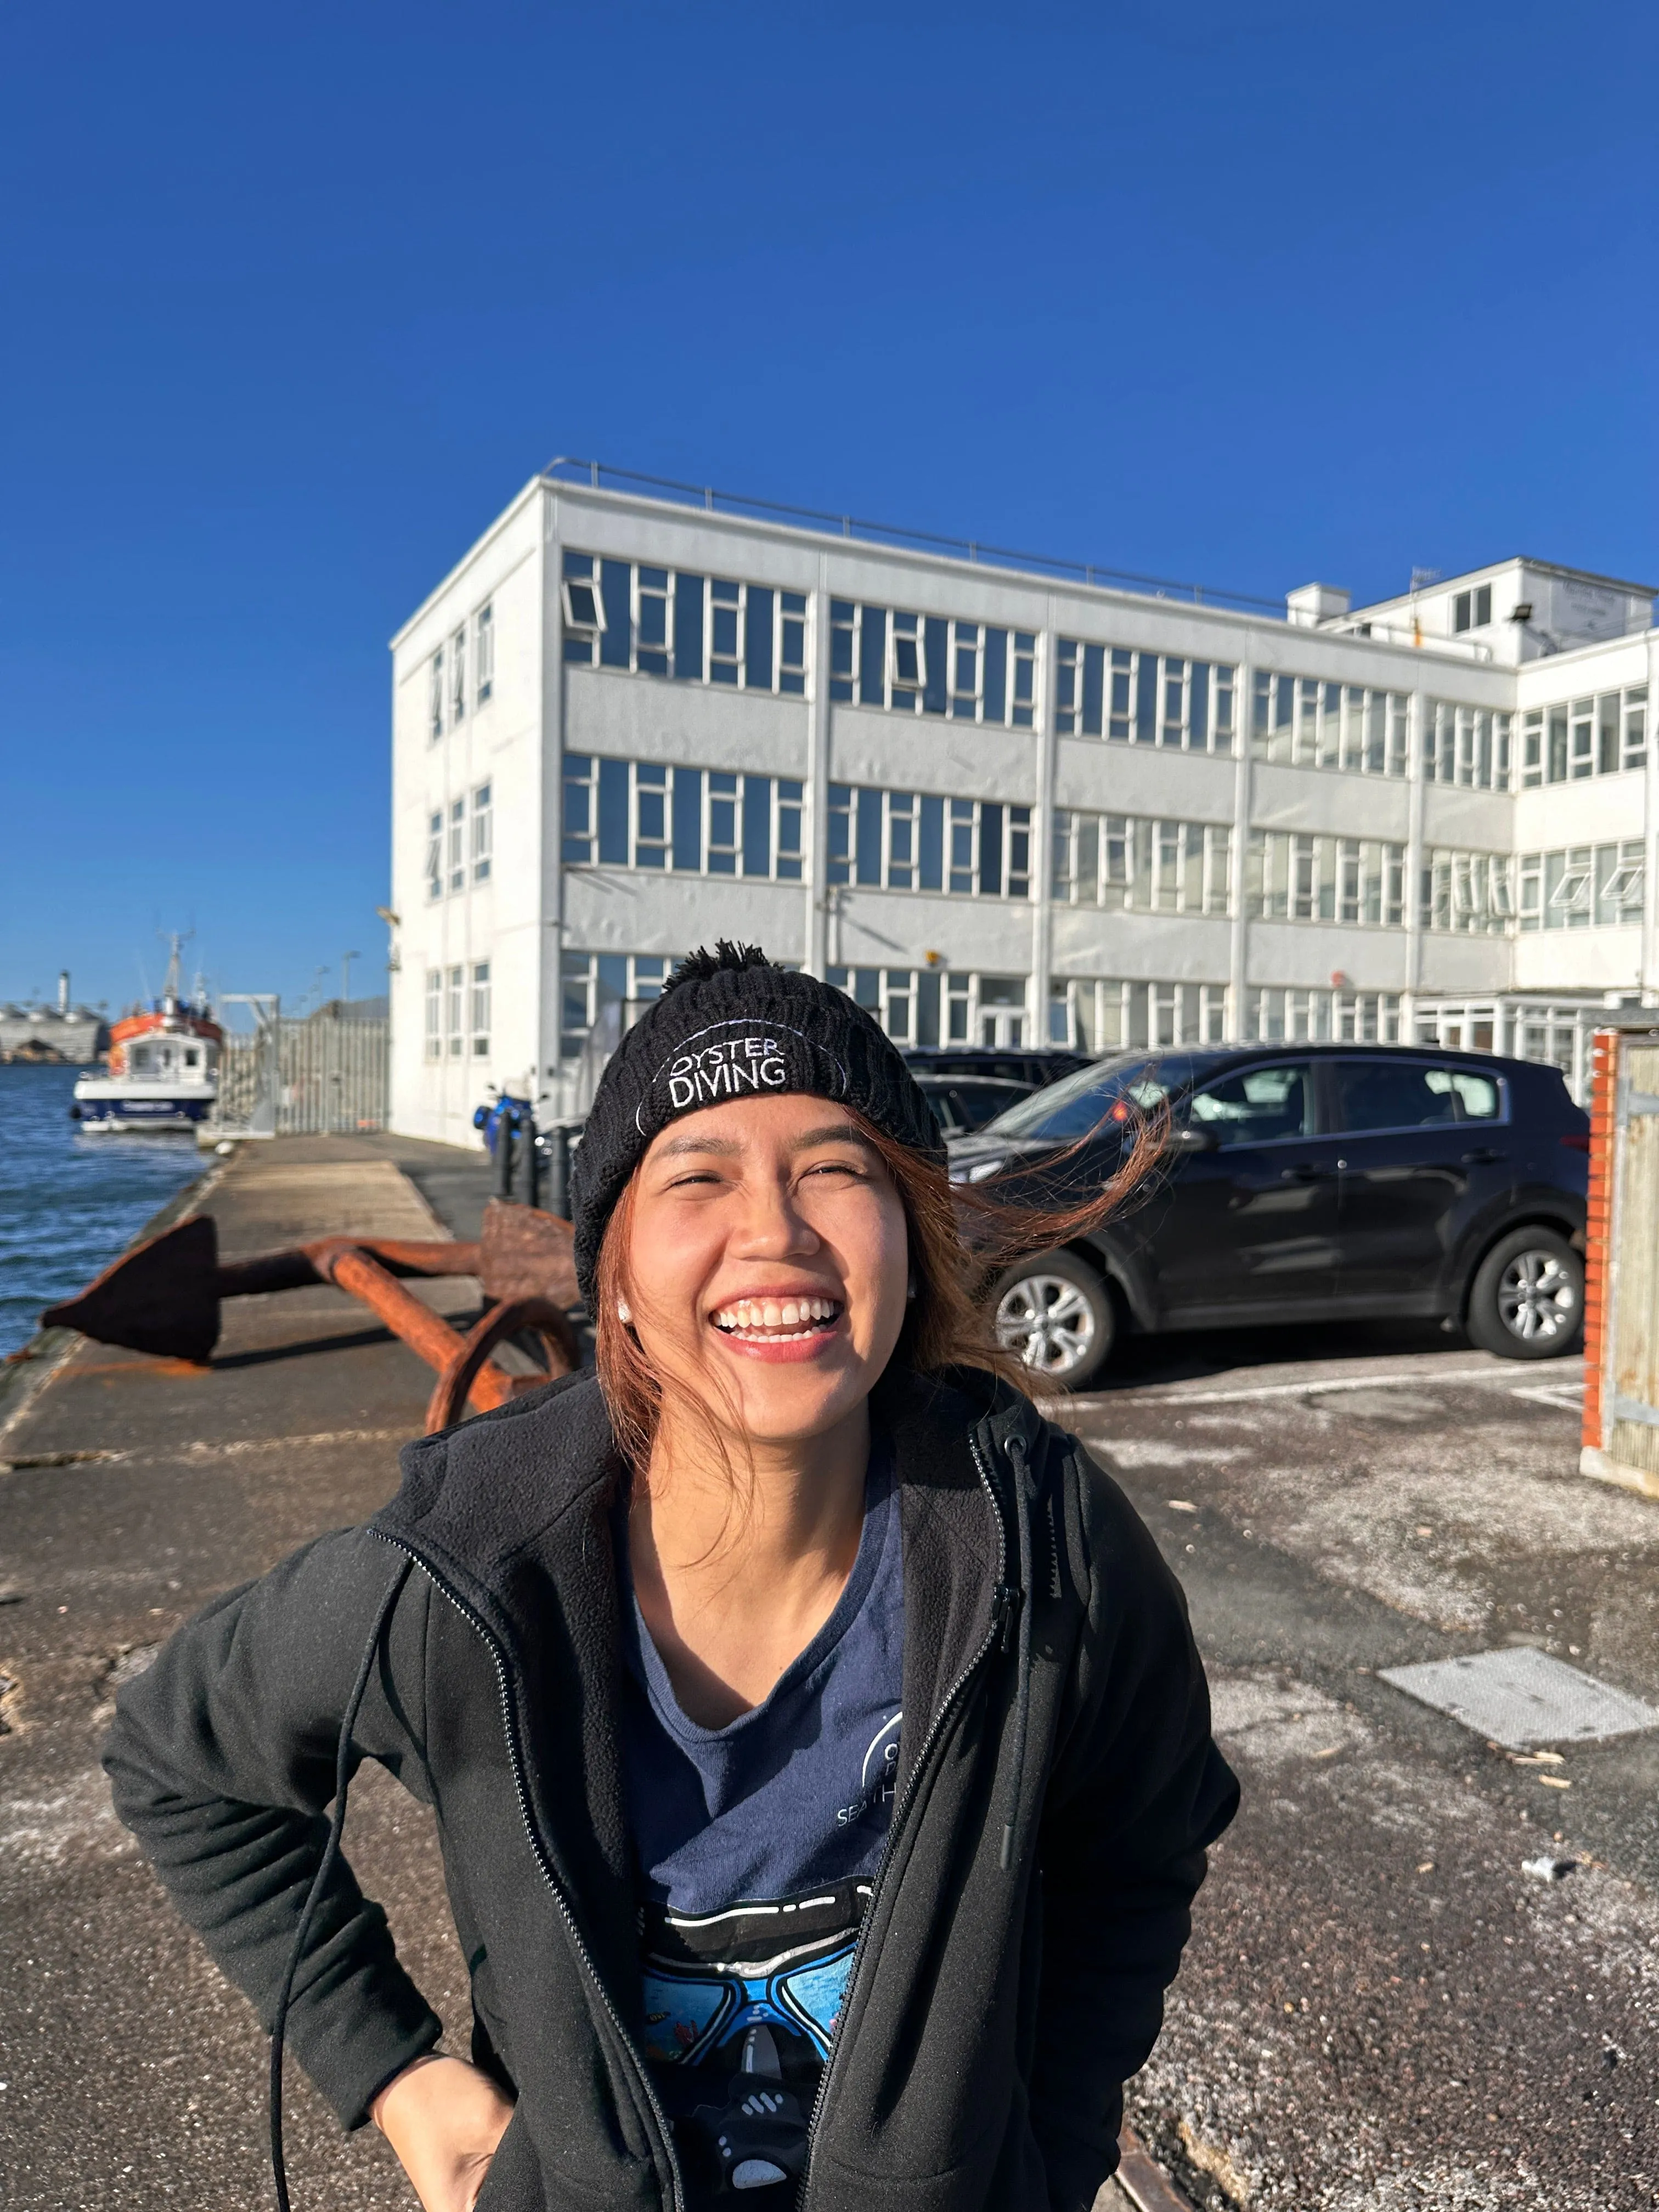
column 296, row 299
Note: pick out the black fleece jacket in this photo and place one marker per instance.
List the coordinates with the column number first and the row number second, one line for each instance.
column 1057, row 1788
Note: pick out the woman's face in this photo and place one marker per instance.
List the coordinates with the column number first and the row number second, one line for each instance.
column 768, row 1263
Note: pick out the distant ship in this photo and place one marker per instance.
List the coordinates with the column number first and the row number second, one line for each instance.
column 163, row 1066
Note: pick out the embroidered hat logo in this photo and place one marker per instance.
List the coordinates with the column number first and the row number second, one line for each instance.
column 725, row 1070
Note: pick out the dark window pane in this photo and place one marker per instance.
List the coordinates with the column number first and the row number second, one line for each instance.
column 757, row 642
column 932, row 859
column 996, row 675
column 872, row 657
column 1256, row 1106
column 1198, row 711
column 937, row 634
column 1146, row 700
column 758, row 825
column 1381, row 1094
column 927, row 1004
column 617, row 639
column 869, row 838
column 688, row 628
column 990, row 849
column 687, row 817
column 613, row 812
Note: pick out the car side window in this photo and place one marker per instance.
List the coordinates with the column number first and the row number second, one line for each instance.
column 1392, row 1094
column 1256, row 1106
column 1479, row 1096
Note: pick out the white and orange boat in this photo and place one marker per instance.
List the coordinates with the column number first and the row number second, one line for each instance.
column 163, row 1067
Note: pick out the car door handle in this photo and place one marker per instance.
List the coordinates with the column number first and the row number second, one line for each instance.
column 1484, row 1157
column 1306, row 1173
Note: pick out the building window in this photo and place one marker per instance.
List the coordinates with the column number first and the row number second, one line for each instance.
column 1472, row 610
column 485, row 652
column 479, row 1009
column 584, row 609
column 1277, row 1015
column 1141, row 865
column 726, row 628
column 792, row 642
column 1470, row 894
column 435, row 855
column 1291, row 875
column 435, row 694
column 454, row 998
column 905, row 840
column 1298, row 721
column 1142, row 698
column 482, row 816
column 458, row 678
column 652, row 633
column 435, row 1014
column 906, row 1004
column 1575, row 738
column 1096, row 1014
column 458, row 844
column 924, row 664
column 1583, row 887
column 593, row 982
column 648, row 814
column 1465, row 745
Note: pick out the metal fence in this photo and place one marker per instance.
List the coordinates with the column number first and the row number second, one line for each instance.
column 324, row 1075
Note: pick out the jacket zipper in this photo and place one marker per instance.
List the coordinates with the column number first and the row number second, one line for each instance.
column 1002, row 1612
column 543, row 1862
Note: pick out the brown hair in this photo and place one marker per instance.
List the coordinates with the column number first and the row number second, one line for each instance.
column 961, row 1238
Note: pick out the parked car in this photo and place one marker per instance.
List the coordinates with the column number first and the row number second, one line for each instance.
column 962, row 1103
column 1013, row 1063
column 1301, row 1182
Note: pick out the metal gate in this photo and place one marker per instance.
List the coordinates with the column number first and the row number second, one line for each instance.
column 1622, row 1308
column 322, row 1076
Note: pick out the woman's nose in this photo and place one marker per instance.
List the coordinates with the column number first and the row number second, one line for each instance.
column 771, row 1226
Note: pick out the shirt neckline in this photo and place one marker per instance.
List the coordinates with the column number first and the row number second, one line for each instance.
column 646, row 1662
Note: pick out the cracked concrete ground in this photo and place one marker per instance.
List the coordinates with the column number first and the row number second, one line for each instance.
column 1380, row 2007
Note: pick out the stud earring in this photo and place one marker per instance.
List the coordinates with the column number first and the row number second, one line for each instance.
column 624, row 1312
column 910, row 1288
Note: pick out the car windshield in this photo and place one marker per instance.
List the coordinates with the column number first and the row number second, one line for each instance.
column 1076, row 1105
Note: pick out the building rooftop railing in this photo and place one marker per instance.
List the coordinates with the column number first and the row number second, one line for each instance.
column 600, row 476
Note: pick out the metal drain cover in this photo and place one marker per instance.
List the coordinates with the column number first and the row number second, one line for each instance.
column 1521, row 1697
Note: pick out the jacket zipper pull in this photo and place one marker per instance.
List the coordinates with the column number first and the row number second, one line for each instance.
column 1006, row 1603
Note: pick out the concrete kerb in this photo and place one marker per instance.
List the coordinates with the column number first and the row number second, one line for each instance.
column 27, row 1372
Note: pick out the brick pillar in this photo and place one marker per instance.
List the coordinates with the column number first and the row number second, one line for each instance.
column 1604, row 1081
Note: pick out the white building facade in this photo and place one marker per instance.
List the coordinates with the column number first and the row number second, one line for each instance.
column 999, row 806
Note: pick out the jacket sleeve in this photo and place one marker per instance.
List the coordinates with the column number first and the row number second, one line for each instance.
column 221, row 1760
column 1137, row 1793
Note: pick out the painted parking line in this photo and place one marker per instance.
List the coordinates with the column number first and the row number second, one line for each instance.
column 1417, row 1379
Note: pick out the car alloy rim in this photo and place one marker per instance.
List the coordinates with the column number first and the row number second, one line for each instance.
column 1048, row 1321
column 1537, row 1298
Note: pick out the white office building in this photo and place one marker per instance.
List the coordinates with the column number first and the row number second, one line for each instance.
column 997, row 800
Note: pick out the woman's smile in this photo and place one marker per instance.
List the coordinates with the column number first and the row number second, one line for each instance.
column 779, row 1324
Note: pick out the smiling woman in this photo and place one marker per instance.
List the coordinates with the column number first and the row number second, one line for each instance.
column 821, row 1755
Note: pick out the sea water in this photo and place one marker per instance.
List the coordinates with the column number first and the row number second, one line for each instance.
column 70, row 1204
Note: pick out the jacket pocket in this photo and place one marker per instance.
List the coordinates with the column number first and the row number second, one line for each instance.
column 514, row 2183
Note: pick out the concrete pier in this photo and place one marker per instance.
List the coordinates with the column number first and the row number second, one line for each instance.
column 131, row 1491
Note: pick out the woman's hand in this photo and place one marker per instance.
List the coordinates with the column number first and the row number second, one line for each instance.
column 444, row 2120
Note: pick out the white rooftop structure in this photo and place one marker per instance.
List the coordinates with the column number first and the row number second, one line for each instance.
column 1000, row 799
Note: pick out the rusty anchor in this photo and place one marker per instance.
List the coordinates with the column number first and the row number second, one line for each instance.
column 164, row 1297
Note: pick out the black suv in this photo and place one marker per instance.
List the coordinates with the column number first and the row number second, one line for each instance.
column 1303, row 1182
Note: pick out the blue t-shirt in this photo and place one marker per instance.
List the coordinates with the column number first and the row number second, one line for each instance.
column 756, row 1844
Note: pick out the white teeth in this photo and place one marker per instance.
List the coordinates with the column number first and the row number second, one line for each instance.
column 748, row 1315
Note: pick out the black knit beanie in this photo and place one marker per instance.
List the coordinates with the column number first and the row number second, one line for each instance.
column 731, row 1024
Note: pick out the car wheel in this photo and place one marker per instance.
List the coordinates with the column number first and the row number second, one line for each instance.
column 1057, row 1313
column 1527, row 1301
